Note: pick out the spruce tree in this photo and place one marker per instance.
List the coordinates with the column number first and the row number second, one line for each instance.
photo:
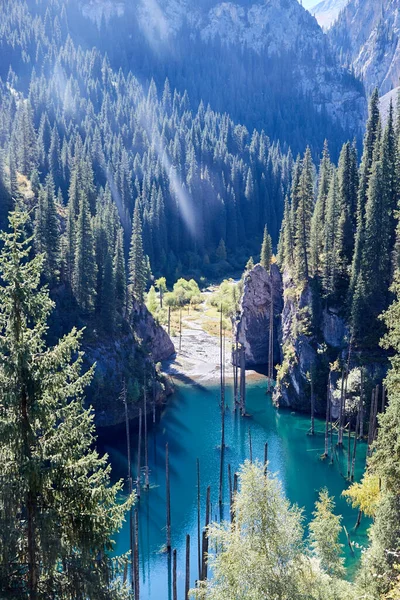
column 303, row 220
column 332, row 254
column 371, row 141
column 58, row 510
column 84, row 274
column 318, row 219
column 348, row 189
column 119, row 274
column 266, row 250
column 137, row 259
column 47, row 231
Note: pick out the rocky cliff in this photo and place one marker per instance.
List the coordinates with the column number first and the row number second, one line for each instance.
column 128, row 359
column 366, row 38
column 253, row 323
column 311, row 336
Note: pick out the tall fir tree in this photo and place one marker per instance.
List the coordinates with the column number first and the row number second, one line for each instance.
column 371, row 141
column 318, row 219
column 266, row 250
column 84, row 274
column 137, row 259
column 58, row 509
column 47, row 230
column 119, row 274
column 303, row 220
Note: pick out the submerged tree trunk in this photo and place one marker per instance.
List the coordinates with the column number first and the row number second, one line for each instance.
column 168, row 497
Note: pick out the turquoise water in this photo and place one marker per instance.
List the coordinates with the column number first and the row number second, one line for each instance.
column 191, row 425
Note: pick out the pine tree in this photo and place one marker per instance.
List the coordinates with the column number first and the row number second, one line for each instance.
column 46, row 230
column 119, row 274
column 318, row 219
column 286, row 241
column 25, row 142
column 303, row 219
column 69, row 245
column 348, row 189
column 332, row 254
column 371, row 141
column 137, row 259
column 58, row 510
column 84, row 274
column 375, row 267
column 266, row 250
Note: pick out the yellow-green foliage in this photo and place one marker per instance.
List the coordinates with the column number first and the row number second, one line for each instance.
column 184, row 292
column 289, row 359
column 151, row 300
column 262, row 554
column 364, row 495
column 228, row 295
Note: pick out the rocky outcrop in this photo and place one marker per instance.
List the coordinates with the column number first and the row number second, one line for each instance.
column 306, row 348
column 128, row 359
column 153, row 337
column 253, row 323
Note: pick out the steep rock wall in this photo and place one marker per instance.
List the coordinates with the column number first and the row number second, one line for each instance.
column 253, row 323
column 128, row 358
column 311, row 338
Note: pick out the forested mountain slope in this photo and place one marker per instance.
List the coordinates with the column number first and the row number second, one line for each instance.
column 366, row 37
column 267, row 64
column 185, row 167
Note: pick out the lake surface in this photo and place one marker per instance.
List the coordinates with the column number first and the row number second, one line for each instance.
column 191, row 424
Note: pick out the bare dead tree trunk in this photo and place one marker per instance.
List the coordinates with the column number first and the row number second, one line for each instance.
column 136, row 556
column 265, row 457
column 328, row 402
column 205, row 538
column 187, row 575
column 139, row 465
column 271, row 338
column 230, row 490
column 198, row 519
column 168, row 497
column 312, row 428
column 146, row 449
column 341, row 411
column 250, row 447
column 353, row 460
column 130, row 482
column 174, row 578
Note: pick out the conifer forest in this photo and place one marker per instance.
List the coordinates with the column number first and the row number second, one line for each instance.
column 199, row 300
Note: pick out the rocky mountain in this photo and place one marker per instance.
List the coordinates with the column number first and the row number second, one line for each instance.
column 253, row 324
column 327, row 11
column 265, row 62
column 366, row 38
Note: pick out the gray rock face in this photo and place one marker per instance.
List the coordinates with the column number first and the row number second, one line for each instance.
column 367, row 37
column 334, row 329
column 154, row 338
column 252, row 327
column 122, row 360
column 303, row 352
column 298, row 350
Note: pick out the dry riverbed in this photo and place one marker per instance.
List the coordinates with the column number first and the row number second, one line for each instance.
column 199, row 357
